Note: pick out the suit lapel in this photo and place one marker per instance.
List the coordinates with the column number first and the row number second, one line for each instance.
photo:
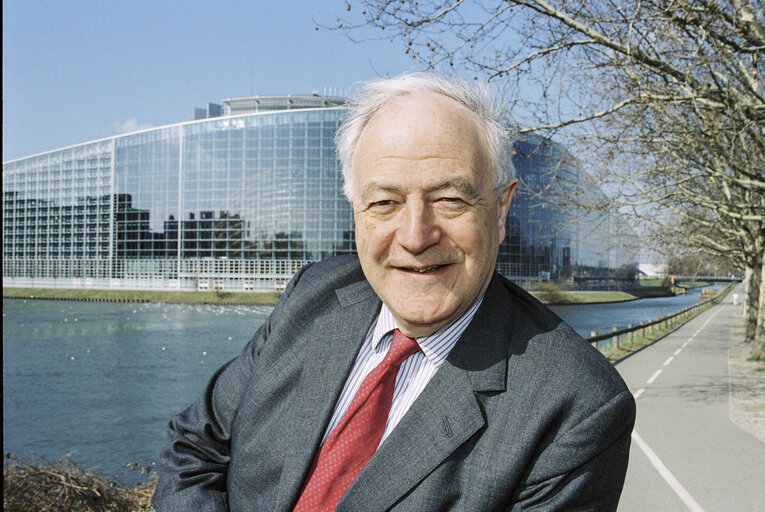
column 444, row 416
column 418, row 443
column 338, row 337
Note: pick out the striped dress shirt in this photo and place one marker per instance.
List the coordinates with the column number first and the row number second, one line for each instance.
column 414, row 373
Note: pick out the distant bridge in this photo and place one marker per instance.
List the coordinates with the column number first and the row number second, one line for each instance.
column 719, row 279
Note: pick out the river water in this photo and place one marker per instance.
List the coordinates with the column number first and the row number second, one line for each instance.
column 101, row 380
column 601, row 318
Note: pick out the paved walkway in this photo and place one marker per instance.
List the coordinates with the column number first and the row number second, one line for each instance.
column 686, row 452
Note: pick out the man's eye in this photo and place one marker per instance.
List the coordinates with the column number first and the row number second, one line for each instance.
column 451, row 200
column 381, row 206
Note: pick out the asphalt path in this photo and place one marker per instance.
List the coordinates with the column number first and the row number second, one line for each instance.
column 686, row 452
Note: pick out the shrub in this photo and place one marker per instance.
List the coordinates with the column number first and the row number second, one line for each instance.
column 549, row 293
column 64, row 486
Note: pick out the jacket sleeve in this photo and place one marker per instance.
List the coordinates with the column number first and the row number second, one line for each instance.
column 584, row 468
column 193, row 467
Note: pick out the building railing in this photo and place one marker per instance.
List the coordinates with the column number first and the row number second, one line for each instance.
column 656, row 326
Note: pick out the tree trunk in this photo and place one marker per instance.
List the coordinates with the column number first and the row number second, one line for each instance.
column 754, row 271
column 758, row 344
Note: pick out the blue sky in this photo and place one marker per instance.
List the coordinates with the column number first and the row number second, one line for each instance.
column 79, row 70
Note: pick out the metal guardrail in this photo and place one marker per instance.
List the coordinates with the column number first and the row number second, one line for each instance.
column 656, row 325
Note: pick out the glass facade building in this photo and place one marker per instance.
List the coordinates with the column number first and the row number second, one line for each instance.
column 538, row 241
column 237, row 202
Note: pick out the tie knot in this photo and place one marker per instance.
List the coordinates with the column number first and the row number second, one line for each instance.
column 401, row 348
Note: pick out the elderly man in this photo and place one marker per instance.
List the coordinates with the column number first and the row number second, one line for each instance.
column 411, row 378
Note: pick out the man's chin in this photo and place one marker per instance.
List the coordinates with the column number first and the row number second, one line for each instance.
column 422, row 318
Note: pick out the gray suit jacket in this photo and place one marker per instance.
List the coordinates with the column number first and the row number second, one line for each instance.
column 523, row 415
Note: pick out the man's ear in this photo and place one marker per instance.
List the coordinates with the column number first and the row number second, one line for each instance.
column 505, row 198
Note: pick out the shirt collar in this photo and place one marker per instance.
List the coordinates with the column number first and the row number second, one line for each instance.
column 435, row 346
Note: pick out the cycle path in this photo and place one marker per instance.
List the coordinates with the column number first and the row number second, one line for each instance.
column 686, row 453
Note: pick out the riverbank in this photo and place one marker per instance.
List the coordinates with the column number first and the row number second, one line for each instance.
column 641, row 337
column 271, row 298
column 562, row 297
column 171, row 297
column 66, row 487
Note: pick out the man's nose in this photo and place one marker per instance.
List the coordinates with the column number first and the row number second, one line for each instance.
column 419, row 228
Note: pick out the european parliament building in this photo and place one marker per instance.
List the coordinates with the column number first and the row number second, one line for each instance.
column 238, row 198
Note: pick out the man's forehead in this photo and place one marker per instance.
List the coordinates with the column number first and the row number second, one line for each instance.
column 422, row 142
column 438, row 124
column 415, row 104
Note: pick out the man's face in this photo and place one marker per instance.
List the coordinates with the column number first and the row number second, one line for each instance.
column 428, row 219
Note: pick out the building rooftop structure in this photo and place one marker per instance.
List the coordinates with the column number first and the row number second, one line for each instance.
column 252, row 104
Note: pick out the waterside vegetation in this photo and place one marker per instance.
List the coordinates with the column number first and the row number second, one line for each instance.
column 549, row 293
column 65, row 486
column 171, row 297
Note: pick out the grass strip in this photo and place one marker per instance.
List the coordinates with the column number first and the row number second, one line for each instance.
column 560, row 297
column 271, row 298
column 172, row 297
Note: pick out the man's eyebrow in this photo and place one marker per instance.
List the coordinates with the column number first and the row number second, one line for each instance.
column 458, row 184
column 379, row 187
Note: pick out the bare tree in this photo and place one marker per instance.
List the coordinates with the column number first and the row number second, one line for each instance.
column 689, row 265
column 663, row 99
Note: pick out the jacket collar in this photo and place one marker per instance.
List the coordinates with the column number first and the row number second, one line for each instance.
column 478, row 352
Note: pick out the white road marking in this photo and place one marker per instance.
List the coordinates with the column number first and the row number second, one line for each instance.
column 665, row 473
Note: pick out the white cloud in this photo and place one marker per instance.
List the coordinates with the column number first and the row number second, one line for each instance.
column 129, row 125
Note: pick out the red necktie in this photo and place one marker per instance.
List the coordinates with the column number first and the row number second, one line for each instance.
column 355, row 439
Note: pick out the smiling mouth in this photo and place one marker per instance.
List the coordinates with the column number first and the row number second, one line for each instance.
column 422, row 270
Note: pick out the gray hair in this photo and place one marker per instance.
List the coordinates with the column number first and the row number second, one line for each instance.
column 476, row 97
